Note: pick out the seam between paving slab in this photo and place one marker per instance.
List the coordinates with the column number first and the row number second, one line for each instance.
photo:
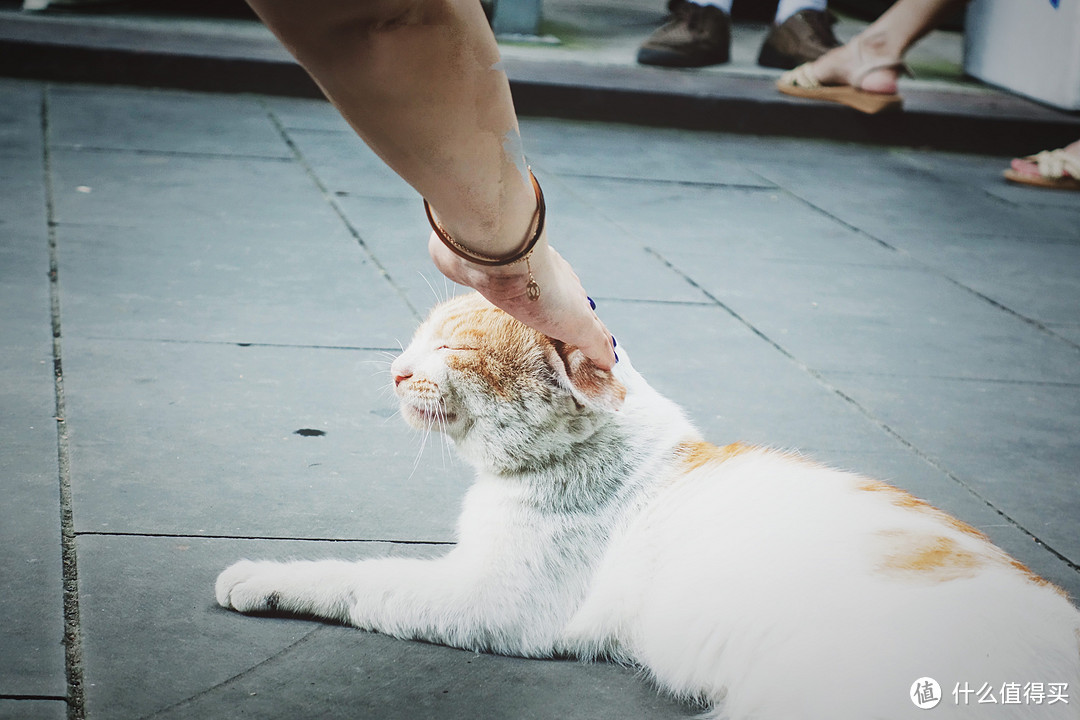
column 282, row 538
column 329, row 197
column 231, row 680
column 73, row 663
column 245, row 344
column 69, row 147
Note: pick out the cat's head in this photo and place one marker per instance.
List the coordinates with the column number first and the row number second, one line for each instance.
column 506, row 394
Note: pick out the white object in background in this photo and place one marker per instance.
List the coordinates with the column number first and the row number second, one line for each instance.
column 1030, row 47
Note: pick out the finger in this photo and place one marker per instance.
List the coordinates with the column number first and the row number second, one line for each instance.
column 598, row 346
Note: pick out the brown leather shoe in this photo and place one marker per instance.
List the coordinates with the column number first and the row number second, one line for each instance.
column 693, row 36
column 803, row 37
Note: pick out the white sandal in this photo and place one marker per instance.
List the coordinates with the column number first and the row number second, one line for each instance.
column 1057, row 169
column 803, row 82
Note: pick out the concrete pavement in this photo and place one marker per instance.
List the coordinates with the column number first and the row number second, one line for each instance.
column 191, row 283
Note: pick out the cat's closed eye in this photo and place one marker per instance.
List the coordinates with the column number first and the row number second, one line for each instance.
column 459, row 348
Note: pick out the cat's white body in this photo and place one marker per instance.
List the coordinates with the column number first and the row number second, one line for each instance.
column 766, row 586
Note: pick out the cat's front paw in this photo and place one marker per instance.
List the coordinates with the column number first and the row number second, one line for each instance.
column 249, row 586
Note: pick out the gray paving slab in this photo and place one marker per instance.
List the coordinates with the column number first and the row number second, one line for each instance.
column 193, row 192
column 302, row 286
column 346, row 166
column 23, row 191
column 1036, row 279
column 897, row 320
column 985, row 172
column 200, row 439
column 761, row 223
column 143, row 593
column 306, row 114
column 766, row 149
column 1068, row 331
column 213, row 248
column 892, row 198
column 20, row 120
column 31, row 604
column 1012, row 442
column 1027, row 196
column 394, row 230
column 625, row 152
column 32, row 709
column 125, row 119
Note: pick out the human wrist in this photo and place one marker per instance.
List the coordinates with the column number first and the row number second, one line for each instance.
column 503, row 265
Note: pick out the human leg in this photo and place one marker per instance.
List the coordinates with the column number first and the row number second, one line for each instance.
column 882, row 45
column 787, row 8
column 871, row 62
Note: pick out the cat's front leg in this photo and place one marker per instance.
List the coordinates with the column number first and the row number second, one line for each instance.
column 322, row 589
column 455, row 600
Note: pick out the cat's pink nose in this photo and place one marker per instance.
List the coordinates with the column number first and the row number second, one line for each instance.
column 401, row 369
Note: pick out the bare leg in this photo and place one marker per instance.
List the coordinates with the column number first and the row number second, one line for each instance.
column 884, row 41
column 418, row 81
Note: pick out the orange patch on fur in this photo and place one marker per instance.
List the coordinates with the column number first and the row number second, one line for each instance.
column 896, row 496
column 502, row 344
column 964, row 562
column 904, row 499
column 694, row 454
column 1032, row 577
column 936, row 558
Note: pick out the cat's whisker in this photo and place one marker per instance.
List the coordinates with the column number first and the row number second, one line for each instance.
column 447, row 447
column 420, row 451
column 434, row 292
column 384, row 367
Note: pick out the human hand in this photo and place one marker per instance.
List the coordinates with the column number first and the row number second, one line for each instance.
column 562, row 311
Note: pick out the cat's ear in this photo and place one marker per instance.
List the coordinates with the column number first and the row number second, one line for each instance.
column 590, row 386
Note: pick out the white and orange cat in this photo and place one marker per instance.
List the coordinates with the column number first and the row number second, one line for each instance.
column 601, row 525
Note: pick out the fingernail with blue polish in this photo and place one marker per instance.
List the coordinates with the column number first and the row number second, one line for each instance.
column 592, row 303
column 616, row 357
column 613, row 343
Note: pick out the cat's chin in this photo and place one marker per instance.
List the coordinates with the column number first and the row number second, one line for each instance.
column 423, row 418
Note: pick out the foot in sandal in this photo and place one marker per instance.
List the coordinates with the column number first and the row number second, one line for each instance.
column 856, row 74
column 1058, row 169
